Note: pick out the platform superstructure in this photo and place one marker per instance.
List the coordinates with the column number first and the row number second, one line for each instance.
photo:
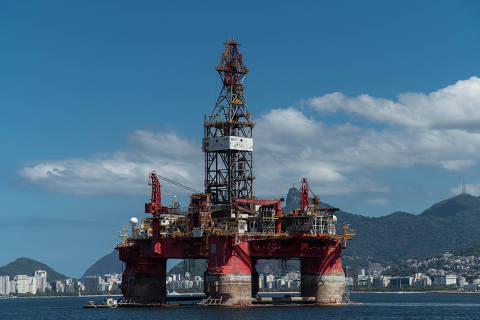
column 226, row 224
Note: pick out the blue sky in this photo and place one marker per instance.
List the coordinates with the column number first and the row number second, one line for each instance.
column 377, row 102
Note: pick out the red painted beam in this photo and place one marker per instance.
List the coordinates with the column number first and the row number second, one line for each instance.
column 225, row 252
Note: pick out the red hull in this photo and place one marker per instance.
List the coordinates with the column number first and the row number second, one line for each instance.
column 231, row 265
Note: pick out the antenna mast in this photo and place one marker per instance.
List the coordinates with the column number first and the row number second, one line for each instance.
column 464, row 186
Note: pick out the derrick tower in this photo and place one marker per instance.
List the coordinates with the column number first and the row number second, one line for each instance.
column 228, row 141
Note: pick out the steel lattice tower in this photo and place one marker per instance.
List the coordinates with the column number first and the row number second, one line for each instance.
column 228, row 142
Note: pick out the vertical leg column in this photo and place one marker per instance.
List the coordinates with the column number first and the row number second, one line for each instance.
column 323, row 277
column 145, row 281
column 255, row 278
column 228, row 275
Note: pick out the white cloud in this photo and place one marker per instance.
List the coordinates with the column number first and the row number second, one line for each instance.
column 429, row 130
column 335, row 156
column 457, row 165
column 43, row 171
column 164, row 143
column 456, row 106
column 121, row 172
column 298, row 146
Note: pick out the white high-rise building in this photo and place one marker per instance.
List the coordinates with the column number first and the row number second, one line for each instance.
column 25, row 284
column 12, row 286
column 41, row 280
column 445, row 280
column 69, row 286
column 58, row 286
column 4, row 285
column 261, row 281
column 41, row 273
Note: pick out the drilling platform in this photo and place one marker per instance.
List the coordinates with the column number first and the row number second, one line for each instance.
column 226, row 224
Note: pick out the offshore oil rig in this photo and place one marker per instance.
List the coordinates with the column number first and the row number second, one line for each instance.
column 226, row 224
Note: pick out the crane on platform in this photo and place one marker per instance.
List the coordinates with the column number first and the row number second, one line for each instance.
column 156, row 199
column 155, row 204
column 305, row 201
column 178, row 184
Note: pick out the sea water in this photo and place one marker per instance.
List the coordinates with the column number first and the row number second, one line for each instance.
column 374, row 306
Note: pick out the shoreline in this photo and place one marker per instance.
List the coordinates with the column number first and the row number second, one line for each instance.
column 260, row 293
column 45, row 297
column 416, row 292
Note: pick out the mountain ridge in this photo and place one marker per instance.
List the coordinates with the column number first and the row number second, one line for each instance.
column 27, row 267
column 109, row 263
column 445, row 226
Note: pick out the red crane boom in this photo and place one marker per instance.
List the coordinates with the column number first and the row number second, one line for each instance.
column 156, row 199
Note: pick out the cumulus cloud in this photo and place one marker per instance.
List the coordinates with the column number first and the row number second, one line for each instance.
column 336, row 155
column 289, row 145
column 121, row 172
column 454, row 107
column 434, row 129
column 164, row 143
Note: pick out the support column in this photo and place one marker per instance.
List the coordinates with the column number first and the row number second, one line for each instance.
column 229, row 270
column 145, row 281
column 323, row 277
column 255, row 278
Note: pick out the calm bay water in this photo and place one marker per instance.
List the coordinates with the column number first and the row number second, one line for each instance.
column 375, row 306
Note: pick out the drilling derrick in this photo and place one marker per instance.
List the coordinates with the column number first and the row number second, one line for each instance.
column 228, row 142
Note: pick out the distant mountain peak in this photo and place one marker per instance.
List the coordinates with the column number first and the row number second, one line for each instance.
column 293, row 200
column 463, row 197
column 451, row 206
column 109, row 263
column 400, row 214
column 24, row 259
column 402, row 235
column 27, row 267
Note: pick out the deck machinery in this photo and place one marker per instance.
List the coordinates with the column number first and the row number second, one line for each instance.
column 227, row 225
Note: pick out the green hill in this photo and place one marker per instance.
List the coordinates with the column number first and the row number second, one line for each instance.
column 445, row 226
column 110, row 263
column 196, row 267
column 472, row 249
column 28, row 267
column 452, row 206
